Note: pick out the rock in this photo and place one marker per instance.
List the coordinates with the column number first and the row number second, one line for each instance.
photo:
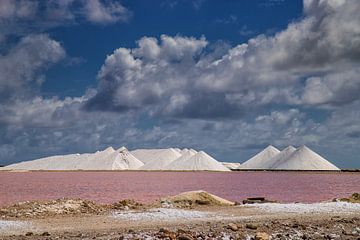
column 257, row 200
column 29, row 234
column 262, row 236
column 251, row 226
column 185, row 237
column 45, row 234
column 165, row 233
column 233, row 226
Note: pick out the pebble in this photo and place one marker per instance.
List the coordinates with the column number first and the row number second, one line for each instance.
column 251, row 226
column 233, row 226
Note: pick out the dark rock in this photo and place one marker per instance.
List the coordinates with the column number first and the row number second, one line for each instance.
column 29, row 234
column 251, row 226
column 257, row 200
column 45, row 234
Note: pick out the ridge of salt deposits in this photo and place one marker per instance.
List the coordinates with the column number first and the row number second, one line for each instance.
column 108, row 159
column 260, row 159
column 156, row 159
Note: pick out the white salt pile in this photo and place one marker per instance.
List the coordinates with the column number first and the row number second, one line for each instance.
column 260, row 159
column 177, row 164
column 201, row 161
column 109, row 159
column 290, row 158
column 304, row 158
column 156, row 159
column 326, row 207
column 231, row 165
column 278, row 158
column 160, row 214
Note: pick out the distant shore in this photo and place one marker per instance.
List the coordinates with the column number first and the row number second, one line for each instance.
column 233, row 170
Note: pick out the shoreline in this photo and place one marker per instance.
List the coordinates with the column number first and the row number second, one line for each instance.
column 232, row 171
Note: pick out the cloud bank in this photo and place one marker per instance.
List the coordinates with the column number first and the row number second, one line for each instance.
column 293, row 87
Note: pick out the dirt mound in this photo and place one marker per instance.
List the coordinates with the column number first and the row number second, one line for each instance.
column 38, row 209
column 193, row 198
column 354, row 198
column 127, row 204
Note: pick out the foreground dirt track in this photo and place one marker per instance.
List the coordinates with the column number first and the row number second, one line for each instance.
column 201, row 222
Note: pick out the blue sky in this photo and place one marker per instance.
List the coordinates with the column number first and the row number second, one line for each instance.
column 228, row 77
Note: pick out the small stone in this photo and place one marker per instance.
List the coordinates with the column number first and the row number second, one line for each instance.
column 29, row 234
column 233, row 226
column 251, row 226
column 45, row 234
column 262, row 236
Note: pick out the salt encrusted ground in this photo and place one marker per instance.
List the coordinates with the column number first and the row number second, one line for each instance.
column 278, row 221
column 310, row 208
column 161, row 214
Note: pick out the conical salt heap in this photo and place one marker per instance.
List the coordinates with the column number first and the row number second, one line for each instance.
column 304, row 159
column 279, row 158
column 260, row 159
column 178, row 163
column 201, row 161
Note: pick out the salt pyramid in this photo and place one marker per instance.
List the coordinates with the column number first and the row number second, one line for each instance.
column 279, row 158
column 231, row 165
column 177, row 163
column 108, row 159
column 128, row 160
column 260, row 159
column 201, row 161
column 303, row 158
column 156, row 159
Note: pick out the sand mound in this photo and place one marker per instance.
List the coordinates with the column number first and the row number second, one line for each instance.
column 304, row 159
column 231, row 165
column 354, row 198
column 192, row 198
column 109, row 159
column 260, row 159
column 201, row 161
column 34, row 209
column 156, row 159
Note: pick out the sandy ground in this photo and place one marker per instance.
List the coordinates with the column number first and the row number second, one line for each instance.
column 260, row 221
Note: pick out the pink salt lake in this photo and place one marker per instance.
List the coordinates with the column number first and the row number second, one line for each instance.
column 107, row 187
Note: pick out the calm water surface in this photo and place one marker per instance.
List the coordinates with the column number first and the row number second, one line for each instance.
column 107, row 187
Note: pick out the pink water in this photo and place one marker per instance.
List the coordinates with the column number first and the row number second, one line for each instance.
column 107, row 187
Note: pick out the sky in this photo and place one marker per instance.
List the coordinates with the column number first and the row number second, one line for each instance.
column 228, row 77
